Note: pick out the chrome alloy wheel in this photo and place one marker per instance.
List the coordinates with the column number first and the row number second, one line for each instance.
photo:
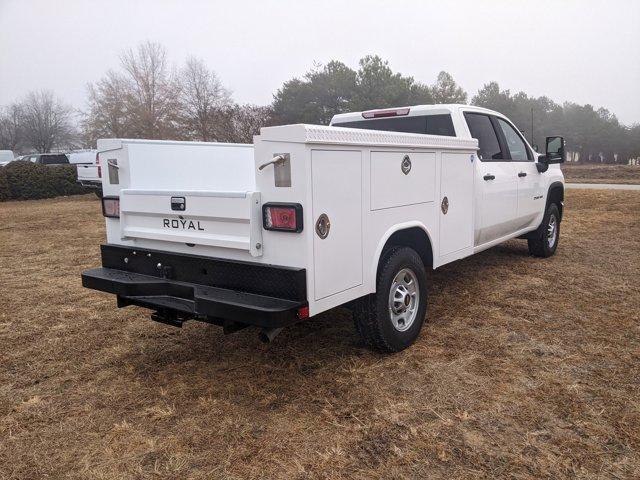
column 404, row 299
column 552, row 231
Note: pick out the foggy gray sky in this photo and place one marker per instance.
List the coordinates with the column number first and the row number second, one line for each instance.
column 583, row 51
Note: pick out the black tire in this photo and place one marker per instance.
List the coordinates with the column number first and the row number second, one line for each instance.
column 372, row 314
column 539, row 241
column 98, row 192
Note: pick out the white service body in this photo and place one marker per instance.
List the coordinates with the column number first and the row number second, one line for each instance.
column 353, row 176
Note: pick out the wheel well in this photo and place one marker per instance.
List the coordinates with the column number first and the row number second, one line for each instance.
column 556, row 195
column 415, row 238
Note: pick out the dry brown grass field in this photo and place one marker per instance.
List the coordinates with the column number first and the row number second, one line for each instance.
column 527, row 368
column 599, row 173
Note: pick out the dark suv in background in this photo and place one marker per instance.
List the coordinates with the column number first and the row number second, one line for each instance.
column 47, row 158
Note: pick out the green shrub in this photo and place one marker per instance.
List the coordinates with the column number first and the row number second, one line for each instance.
column 27, row 180
column 64, row 178
column 5, row 192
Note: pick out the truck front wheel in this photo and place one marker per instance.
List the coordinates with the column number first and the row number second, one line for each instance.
column 391, row 319
column 544, row 241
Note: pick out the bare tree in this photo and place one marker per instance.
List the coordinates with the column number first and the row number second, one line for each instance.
column 203, row 96
column 239, row 123
column 152, row 93
column 11, row 131
column 46, row 122
column 248, row 121
column 107, row 115
column 148, row 100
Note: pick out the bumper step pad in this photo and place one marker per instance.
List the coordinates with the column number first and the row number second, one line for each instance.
column 199, row 301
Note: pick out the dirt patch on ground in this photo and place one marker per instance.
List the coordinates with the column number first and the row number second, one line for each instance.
column 528, row 368
column 589, row 173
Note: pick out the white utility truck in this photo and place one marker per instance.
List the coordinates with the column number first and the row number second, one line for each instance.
column 312, row 217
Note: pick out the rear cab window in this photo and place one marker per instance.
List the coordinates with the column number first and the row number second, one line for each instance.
column 55, row 159
column 440, row 124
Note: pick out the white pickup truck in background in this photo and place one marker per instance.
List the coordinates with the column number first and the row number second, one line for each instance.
column 6, row 157
column 312, row 217
column 88, row 169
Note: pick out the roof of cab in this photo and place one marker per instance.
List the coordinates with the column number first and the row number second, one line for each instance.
column 414, row 110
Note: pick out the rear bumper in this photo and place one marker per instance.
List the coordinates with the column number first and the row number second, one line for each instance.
column 269, row 297
column 90, row 183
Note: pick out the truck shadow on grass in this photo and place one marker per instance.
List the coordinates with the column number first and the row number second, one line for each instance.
column 334, row 327
column 324, row 343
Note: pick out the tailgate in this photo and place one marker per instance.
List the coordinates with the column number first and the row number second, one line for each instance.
column 211, row 218
column 88, row 172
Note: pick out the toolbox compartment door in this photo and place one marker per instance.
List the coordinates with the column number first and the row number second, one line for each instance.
column 456, row 203
column 337, row 193
column 395, row 186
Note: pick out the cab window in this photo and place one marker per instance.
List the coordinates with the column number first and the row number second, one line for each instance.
column 515, row 144
column 395, row 124
column 440, row 124
column 59, row 159
column 481, row 128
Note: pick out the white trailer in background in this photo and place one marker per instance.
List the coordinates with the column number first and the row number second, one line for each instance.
column 313, row 217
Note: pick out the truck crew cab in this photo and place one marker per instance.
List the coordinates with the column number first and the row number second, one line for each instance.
column 312, row 217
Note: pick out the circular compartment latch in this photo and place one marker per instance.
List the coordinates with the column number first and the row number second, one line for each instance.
column 445, row 205
column 323, row 225
column 405, row 166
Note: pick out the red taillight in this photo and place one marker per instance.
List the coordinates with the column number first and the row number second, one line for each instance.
column 283, row 217
column 111, row 207
column 303, row 312
column 394, row 112
column 99, row 167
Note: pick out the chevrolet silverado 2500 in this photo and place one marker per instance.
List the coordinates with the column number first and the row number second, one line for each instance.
column 312, row 217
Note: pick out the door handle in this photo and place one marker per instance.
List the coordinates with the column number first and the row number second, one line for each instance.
column 278, row 160
column 489, row 177
column 522, row 174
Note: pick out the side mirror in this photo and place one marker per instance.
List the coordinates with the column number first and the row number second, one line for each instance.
column 542, row 165
column 555, row 150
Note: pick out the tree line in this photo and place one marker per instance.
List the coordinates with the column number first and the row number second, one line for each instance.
column 148, row 98
column 144, row 98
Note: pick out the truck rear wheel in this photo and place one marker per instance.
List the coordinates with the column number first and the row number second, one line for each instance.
column 544, row 241
column 391, row 319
